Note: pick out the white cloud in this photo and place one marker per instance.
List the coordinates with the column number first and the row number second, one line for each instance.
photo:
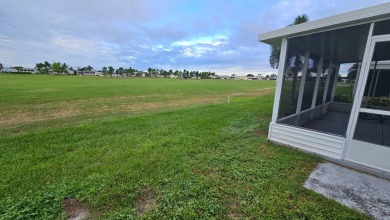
column 196, row 51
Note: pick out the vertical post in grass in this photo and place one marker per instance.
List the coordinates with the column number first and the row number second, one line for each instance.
column 228, row 99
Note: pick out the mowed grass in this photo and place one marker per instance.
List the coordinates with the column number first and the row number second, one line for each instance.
column 205, row 160
column 34, row 101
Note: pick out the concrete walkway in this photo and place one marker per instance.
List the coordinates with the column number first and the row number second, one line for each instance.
column 366, row 193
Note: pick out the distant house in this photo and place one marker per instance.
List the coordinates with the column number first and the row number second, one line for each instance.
column 27, row 70
column 15, row 70
column 307, row 113
column 87, row 73
column 221, row 77
column 9, row 70
column 260, row 77
column 272, row 77
column 345, row 80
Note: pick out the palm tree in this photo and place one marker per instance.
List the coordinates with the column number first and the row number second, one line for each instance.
column 294, row 60
column 274, row 57
column 64, row 67
column 56, row 67
column 275, row 50
column 111, row 70
column 120, row 71
column 46, row 67
column 104, row 70
column 352, row 71
column 1, row 67
column 18, row 68
column 39, row 67
column 295, row 65
column 301, row 19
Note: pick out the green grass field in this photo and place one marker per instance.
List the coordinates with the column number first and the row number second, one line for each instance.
column 149, row 148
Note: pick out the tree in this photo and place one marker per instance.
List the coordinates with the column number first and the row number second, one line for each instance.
column 250, row 75
column 294, row 66
column 149, row 74
column 18, row 68
column 352, row 71
column 274, row 57
column 120, row 71
column 275, row 50
column 301, row 19
column 104, row 70
column 197, row 74
column 294, row 61
column 111, row 70
column 185, row 74
column 46, row 67
column 56, row 66
column 39, row 67
column 1, row 67
column 129, row 71
column 64, row 67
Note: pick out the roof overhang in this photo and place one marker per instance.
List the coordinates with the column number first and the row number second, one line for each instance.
column 362, row 16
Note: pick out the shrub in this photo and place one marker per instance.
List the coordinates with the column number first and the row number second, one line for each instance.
column 379, row 101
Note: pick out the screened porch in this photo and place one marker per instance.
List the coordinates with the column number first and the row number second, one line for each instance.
column 320, row 78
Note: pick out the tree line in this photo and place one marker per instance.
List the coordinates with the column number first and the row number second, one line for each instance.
column 130, row 72
column 63, row 68
column 58, row 68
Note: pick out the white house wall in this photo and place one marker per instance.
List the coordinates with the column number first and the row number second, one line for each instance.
column 306, row 140
column 361, row 153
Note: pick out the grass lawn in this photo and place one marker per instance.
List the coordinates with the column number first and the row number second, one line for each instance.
column 149, row 148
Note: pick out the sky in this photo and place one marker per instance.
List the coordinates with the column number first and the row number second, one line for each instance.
column 205, row 35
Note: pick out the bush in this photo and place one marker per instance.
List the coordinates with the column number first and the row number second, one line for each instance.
column 379, row 101
column 343, row 98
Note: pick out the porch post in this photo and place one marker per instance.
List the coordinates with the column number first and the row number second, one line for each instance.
column 303, row 80
column 374, row 74
column 330, row 71
column 279, row 82
column 319, row 72
column 376, row 82
column 361, row 82
column 356, row 80
column 336, row 76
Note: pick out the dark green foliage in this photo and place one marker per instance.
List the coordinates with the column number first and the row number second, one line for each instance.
column 301, row 19
column 352, row 71
column 275, row 49
column 274, row 57
column 379, row 101
column 343, row 98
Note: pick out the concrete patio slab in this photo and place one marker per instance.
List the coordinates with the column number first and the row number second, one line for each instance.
column 366, row 193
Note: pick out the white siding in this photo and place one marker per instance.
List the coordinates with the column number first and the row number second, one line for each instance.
column 311, row 141
column 370, row 155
